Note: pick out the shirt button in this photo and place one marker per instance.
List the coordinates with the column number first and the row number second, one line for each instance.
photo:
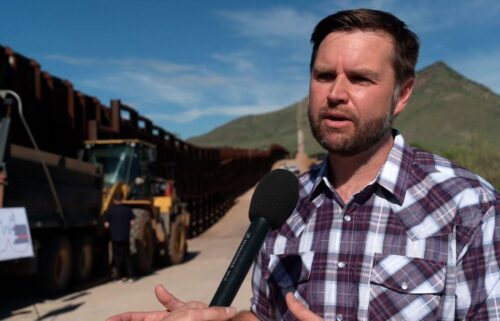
column 347, row 218
column 341, row 265
column 339, row 317
column 404, row 286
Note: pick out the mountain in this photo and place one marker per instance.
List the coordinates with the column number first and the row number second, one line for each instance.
column 260, row 131
column 446, row 109
column 448, row 114
column 256, row 131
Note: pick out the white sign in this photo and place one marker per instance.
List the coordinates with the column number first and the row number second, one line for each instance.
column 15, row 238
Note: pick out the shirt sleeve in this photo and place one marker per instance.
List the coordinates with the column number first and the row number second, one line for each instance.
column 262, row 302
column 478, row 273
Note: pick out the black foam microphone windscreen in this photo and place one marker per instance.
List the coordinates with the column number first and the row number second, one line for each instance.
column 273, row 201
column 275, row 197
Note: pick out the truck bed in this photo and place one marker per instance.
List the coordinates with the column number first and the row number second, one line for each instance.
column 78, row 186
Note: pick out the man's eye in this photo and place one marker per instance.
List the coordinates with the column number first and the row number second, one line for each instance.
column 361, row 80
column 325, row 76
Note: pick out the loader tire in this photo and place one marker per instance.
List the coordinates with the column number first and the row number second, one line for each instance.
column 162, row 258
column 142, row 242
column 54, row 270
column 177, row 243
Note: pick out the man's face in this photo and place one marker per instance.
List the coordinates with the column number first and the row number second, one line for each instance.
column 352, row 91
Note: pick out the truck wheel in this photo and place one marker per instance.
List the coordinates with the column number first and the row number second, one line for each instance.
column 177, row 243
column 143, row 242
column 83, row 261
column 54, row 270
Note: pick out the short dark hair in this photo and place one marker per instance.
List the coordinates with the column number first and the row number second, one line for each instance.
column 406, row 43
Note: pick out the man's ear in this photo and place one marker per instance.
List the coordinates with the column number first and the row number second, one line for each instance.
column 404, row 96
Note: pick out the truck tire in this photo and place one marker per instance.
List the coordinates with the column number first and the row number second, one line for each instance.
column 142, row 242
column 54, row 269
column 177, row 243
column 83, row 259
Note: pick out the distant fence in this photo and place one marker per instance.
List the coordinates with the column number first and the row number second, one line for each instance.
column 62, row 118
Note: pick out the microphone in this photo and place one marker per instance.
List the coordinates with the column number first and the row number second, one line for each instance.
column 273, row 201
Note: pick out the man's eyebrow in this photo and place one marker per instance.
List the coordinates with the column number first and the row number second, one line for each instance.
column 321, row 69
column 369, row 73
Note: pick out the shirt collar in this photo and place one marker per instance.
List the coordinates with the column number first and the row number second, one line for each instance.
column 393, row 175
column 395, row 172
column 318, row 176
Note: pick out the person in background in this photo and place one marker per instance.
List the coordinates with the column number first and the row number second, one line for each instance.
column 382, row 230
column 118, row 219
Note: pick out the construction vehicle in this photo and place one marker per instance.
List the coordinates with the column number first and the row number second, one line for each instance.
column 160, row 228
column 65, row 200
column 62, row 198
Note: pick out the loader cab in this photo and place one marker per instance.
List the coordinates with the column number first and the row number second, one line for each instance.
column 126, row 161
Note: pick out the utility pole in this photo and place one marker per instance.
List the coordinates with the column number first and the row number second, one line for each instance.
column 300, row 132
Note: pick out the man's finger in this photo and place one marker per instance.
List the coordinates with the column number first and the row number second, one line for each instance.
column 169, row 301
column 139, row 316
column 209, row 313
column 300, row 311
column 194, row 305
column 218, row 313
column 120, row 317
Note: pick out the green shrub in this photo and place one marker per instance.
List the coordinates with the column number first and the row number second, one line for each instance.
column 478, row 156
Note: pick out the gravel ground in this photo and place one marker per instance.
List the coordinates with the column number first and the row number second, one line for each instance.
column 196, row 279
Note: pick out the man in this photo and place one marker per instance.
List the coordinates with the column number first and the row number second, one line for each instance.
column 118, row 219
column 381, row 231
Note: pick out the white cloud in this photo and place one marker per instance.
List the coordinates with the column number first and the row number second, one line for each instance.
column 184, row 93
column 430, row 15
column 196, row 113
column 150, row 64
column 78, row 61
column 239, row 61
column 153, row 65
column 275, row 24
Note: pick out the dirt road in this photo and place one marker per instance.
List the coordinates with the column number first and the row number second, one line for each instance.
column 196, row 279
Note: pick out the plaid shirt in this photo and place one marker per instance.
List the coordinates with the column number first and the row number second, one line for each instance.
column 421, row 242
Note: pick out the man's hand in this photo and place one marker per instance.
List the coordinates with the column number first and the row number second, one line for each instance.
column 300, row 311
column 176, row 310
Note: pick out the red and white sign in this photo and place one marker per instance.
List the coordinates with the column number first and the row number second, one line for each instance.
column 15, row 237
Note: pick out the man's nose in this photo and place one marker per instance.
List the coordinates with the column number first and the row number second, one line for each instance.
column 338, row 93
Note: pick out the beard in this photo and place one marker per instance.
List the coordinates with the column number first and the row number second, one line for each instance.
column 339, row 142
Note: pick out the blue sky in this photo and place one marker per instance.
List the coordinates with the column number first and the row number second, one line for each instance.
column 191, row 66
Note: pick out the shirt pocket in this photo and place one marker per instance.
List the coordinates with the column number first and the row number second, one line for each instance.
column 405, row 288
column 287, row 271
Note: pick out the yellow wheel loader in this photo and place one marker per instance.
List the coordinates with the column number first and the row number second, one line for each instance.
column 160, row 227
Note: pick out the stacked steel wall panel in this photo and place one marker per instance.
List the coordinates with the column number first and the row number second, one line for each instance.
column 61, row 118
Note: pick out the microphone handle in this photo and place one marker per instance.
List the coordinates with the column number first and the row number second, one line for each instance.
column 241, row 263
